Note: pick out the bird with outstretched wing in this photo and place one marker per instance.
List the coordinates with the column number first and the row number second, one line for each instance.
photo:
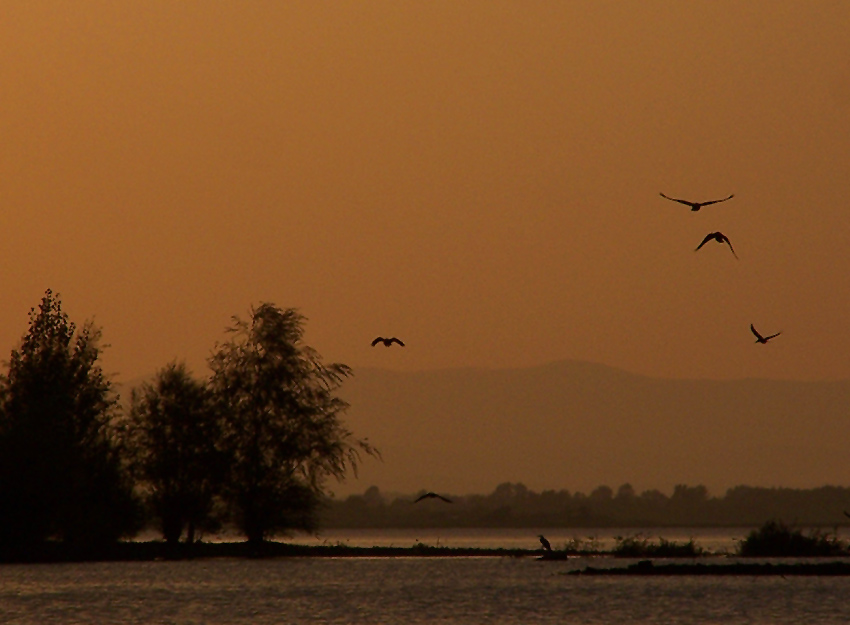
column 695, row 206
column 760, row 338
column 720, row 238
column 432, row 496
column 386, row 341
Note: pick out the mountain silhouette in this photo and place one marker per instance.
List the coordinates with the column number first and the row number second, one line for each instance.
column 575, row 425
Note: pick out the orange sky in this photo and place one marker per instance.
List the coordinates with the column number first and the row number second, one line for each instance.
column 480, row 178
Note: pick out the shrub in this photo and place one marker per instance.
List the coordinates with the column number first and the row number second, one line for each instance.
column 775, row 539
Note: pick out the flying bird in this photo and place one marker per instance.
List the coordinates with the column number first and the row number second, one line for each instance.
column 432, row 496
column 720, row 238
column 544, row 542
column 386, row 342
column 760, row 338
column 695, row 206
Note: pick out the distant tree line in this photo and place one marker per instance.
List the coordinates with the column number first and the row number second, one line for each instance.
column 251, row 446
column 514, row 505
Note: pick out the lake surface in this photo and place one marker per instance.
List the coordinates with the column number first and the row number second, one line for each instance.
column 404, row 590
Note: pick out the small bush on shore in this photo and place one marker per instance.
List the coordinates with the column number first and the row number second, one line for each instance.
column 775, row 539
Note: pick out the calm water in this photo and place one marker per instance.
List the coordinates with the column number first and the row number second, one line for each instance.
column 402, row 590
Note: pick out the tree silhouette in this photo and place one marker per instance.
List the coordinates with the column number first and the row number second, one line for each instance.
column 282, row 427
column 626, row 493
column 60, row 472
column 172, row 434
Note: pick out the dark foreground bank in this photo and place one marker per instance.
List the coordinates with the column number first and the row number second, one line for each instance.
column 647, row 567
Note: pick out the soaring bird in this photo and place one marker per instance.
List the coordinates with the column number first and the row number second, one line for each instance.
column 386, row 342
column 695, row 206
column 720, row 238
column 432, row 496
column 760, row 338
column 544, row 542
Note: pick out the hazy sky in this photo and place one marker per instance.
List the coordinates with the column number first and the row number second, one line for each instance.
column 479, row 178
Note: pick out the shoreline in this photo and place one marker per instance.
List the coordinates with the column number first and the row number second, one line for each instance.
column 54, row 553
column 158, row 551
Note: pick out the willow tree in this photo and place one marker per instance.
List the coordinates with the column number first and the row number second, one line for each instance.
column 282, row 423
column 61, row 475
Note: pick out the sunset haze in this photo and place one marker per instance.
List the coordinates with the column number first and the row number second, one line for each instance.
column 480, row 179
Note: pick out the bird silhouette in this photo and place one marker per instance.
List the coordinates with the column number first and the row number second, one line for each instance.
column 695, row 206
column 432, row 496
column 546, row 545
column 760, row 338
column 847, row 514
column 387, row 342
column 720, row 238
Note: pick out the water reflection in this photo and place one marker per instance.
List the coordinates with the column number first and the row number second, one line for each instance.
column 399, row 590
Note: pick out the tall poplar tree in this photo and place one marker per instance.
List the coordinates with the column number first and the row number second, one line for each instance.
column 60, row 473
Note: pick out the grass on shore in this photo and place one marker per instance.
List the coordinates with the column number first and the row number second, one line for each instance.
column 640, row 546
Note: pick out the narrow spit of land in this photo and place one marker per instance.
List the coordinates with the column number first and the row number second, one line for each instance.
column 783, row 569
column 157, row 550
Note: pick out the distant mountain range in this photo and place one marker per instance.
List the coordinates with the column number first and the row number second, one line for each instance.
column 577, row 425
